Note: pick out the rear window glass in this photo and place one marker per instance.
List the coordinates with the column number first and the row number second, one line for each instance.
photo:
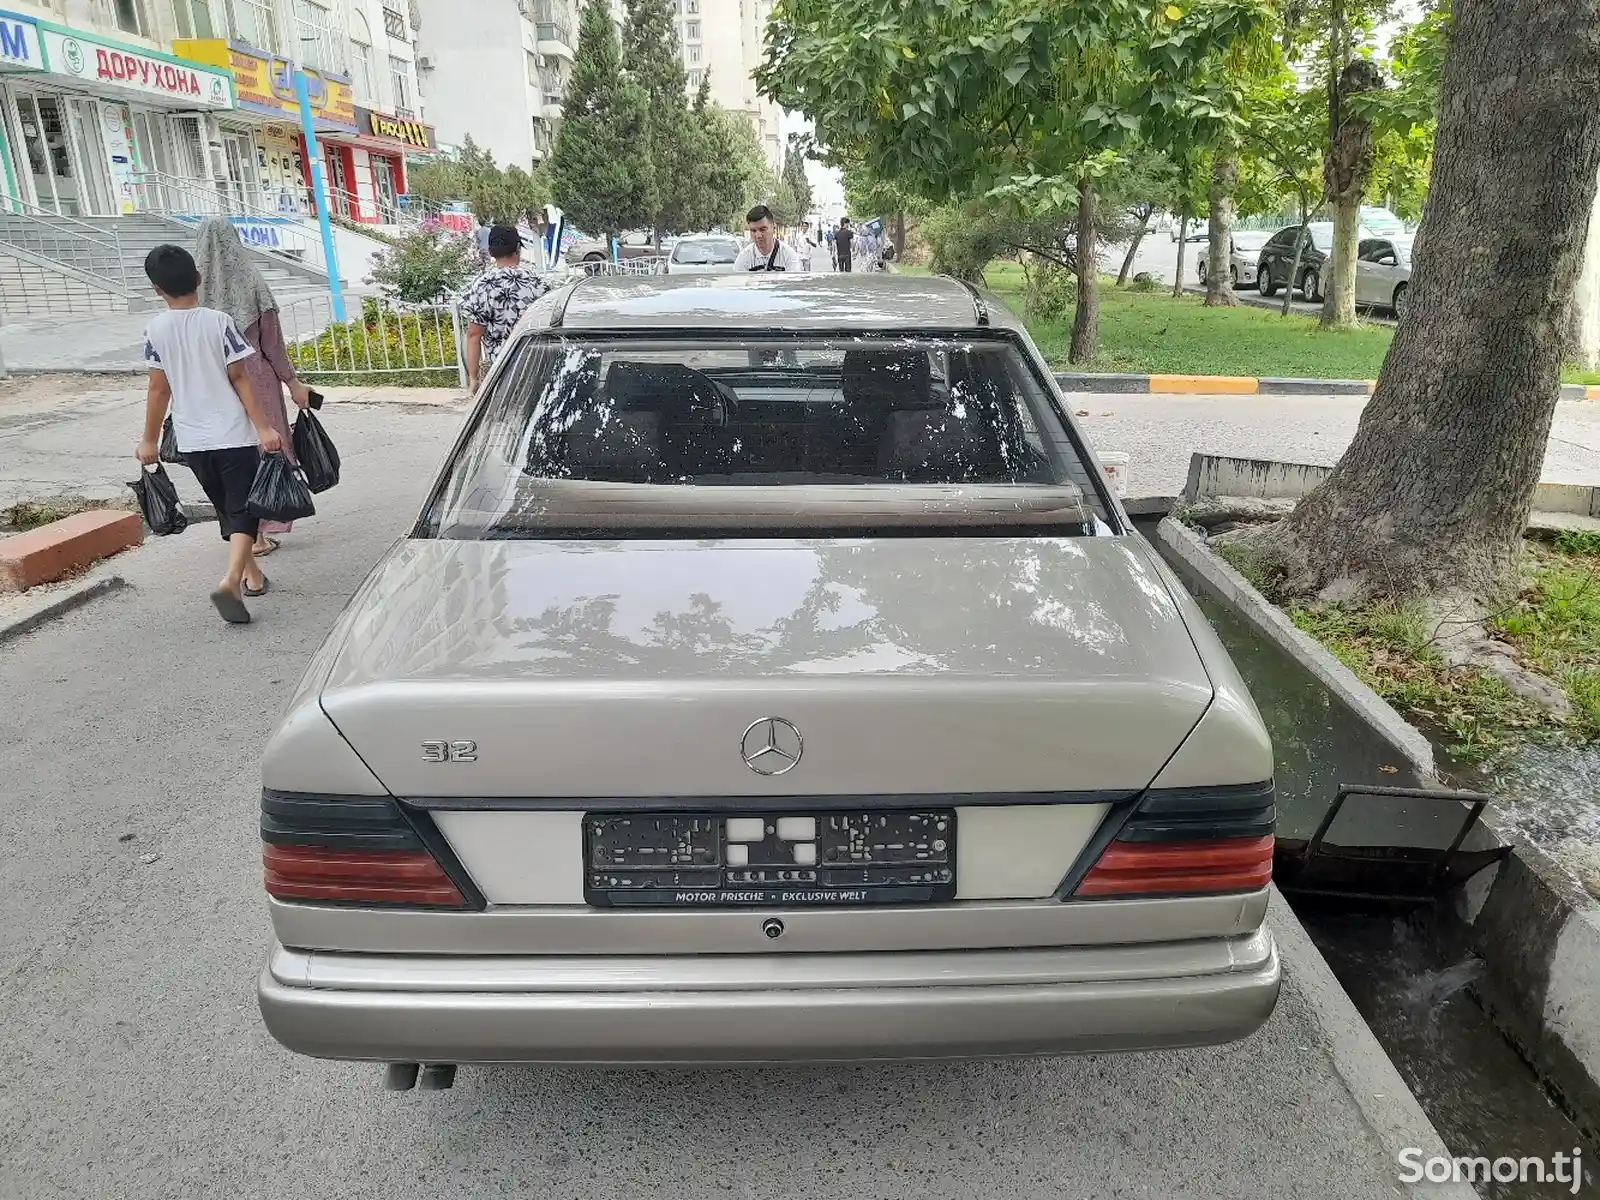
column 709, row 253
column 587, row 437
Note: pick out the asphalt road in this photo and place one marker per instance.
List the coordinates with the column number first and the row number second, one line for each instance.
column 132, row 930
column 1161, row 432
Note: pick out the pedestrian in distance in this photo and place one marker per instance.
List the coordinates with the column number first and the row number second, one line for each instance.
column 496, row 301
column 766, row 251
column 482, row 236
column 196, row 357
column 230, row 283
column 842, row 240
column 833, row 251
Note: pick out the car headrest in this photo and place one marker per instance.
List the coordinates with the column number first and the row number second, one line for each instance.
column 661, row 388
column 896, row 379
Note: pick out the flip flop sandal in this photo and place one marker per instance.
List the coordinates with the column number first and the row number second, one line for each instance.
column 230, row 607
column 262, row 591
column 272, row 544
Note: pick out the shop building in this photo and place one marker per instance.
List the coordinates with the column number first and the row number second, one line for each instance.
column 364, row 150
column 90, row 123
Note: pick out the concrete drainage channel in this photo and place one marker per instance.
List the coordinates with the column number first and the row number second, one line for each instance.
column 1487, row 1002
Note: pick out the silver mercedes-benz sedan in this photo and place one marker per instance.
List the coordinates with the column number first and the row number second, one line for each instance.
column 770, row 675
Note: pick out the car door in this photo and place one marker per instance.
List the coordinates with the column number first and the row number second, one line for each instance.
column 1273, row 258
column 1376, row 272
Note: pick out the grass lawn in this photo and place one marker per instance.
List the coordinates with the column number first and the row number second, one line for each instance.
column 1553, row 627
column 1157, row 334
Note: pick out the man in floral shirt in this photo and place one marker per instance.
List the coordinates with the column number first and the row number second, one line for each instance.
column 496, row 301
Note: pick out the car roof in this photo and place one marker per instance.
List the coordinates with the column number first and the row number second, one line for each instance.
column 766, row 300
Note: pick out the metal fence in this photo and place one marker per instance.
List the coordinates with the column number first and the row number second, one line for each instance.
column 653, row 264
column 383, row 342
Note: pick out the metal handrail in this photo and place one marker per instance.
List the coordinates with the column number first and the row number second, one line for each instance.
column 197, row 200
column 65, row 240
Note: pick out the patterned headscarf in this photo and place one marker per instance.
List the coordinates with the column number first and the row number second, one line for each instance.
column 229, row 280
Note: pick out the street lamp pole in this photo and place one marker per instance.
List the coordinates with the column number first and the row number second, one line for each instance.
column 319, row 188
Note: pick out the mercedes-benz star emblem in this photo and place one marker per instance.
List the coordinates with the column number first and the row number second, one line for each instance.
column 771, row 746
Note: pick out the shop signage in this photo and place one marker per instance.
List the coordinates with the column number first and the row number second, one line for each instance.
column 80, row 56
column 266, row 232
column 264, row 82
column 19, row 44
column 414, row 134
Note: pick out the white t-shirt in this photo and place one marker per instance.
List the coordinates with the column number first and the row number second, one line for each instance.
column 751, row 259
column 195, row 346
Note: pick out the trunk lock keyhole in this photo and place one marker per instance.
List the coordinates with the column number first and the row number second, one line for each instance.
column 772, row 927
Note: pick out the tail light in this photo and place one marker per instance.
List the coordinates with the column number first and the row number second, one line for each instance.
column 350, row 850
column 1189, row 842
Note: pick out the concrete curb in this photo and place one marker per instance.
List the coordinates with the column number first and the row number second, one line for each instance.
column 48, row 607
column 1376, row 1087
column 1243, row 385
column 1209, row 385
column 1535, row 927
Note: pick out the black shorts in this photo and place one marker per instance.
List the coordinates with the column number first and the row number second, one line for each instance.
column 226, row 476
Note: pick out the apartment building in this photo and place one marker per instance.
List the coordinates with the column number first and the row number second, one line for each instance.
column 725, row 38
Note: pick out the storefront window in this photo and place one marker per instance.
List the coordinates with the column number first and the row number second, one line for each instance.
column 251, row 22
column 400, row 77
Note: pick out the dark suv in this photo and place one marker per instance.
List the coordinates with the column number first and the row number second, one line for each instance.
column 1277, row 259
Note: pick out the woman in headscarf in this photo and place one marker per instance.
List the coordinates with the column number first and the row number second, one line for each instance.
column 230, row 283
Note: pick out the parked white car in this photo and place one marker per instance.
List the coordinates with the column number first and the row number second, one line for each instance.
column 1383, row 273
column 704, row 254
column 1245, row 253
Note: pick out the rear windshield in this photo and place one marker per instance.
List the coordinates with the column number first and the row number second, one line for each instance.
column 716, row 253
column 749, row 437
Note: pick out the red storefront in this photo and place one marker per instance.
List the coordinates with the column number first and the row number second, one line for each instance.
column 367, row 169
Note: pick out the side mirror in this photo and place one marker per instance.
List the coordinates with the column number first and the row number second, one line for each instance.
column 1388, row 260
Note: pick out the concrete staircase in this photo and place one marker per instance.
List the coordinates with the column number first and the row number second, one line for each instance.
column 61, row 266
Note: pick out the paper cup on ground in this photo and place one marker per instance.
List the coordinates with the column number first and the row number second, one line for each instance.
column 1116, row 468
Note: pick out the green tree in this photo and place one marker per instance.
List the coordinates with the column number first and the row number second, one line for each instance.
column 736, row 175
column 1433, row 495
column 601, row 172
column 653, row 58
column 1021, row 93
column 794, row 178
column 442, row 180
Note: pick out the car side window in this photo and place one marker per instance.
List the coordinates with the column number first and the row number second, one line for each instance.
column 1375, row 251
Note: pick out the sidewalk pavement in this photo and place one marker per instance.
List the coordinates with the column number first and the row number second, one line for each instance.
column 74, row 435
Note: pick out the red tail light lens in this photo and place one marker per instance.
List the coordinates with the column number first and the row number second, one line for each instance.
column 1180, row 868
column 358, row 876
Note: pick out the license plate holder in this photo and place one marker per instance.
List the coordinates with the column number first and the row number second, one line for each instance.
column 769, row 860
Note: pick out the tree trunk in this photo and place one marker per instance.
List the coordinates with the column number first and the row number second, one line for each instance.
column 1183, row 242
column 1219, row 254
column 1338, row 273
column 1345, row 171
column 1433, row 494
column 1086, row 318
column 1133, row 247
column 899, row 236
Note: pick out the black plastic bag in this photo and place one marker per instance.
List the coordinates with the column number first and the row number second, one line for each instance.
column 158, row 502
column 279, row 492
column 169, row 442
column 318, row 457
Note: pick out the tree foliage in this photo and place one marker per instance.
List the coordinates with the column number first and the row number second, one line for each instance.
column 425, row 265
column 602, row 173
column 677, row 149
column 793, row 178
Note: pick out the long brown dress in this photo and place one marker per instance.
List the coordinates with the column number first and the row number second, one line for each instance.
column 269, row 369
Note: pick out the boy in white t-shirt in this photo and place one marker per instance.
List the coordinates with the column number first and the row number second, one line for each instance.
column 195, row 356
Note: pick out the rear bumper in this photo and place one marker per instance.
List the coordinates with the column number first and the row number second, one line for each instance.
column 769, row 1008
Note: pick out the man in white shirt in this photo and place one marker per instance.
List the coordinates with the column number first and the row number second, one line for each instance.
column 196, row 358
column 765, row 251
